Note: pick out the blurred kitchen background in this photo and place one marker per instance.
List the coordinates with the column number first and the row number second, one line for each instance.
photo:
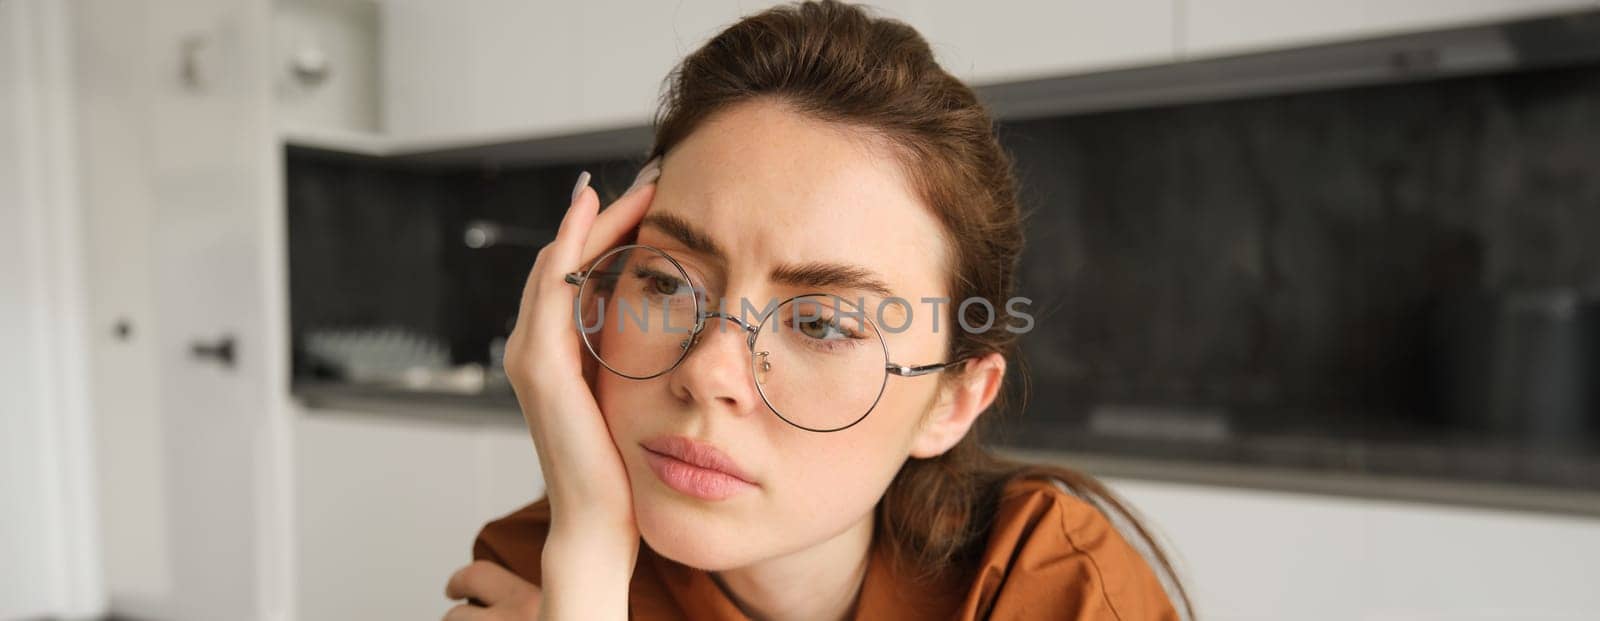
column 1316, row 282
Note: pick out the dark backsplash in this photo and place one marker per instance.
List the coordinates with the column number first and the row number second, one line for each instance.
column 1277, row 253
column 1287, row 250
column 374, row 243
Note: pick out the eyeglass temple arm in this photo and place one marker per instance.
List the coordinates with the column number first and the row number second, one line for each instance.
column 574, row 278
column 924, row 369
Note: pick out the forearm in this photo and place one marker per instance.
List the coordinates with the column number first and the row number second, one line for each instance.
column 586, row 574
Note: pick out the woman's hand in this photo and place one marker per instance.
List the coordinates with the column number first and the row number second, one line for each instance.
column 593, row 539
column 496, row 594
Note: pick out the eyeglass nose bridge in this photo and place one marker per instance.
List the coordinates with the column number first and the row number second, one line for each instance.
column 760, row 363
column 750, row 330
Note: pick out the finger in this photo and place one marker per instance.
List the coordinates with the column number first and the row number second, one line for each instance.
column 616, row 221
column 567, row 250
column 486, row 581
column 624, row 214
column 580, row 214
column 466, row 612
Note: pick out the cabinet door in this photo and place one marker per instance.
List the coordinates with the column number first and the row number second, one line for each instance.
column 387, row 507
column 479, row 68
column 1253, row 554
column 503, row 69
column 185, row 247
column 1217, row 27
column 1003, row 40
column 500, row 69
column 627, row 48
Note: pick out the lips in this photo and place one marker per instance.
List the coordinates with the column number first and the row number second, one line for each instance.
column 695, row 468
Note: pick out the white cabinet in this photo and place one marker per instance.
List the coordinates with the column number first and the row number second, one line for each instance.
column 479, row 67
column 490, row 70
column 483, row 71
column 498, row 70
column 1004, row 40
column 1250, row 554
column 626, row 49
column 325, row 64
column 387, row 507
column 1219, row 27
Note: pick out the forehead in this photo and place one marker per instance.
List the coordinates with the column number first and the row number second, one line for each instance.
column 773, row 187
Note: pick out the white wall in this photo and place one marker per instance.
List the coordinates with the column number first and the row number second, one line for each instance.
column 49, row 561
column 1256, row 555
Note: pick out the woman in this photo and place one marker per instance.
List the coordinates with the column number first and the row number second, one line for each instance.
column 811, row 455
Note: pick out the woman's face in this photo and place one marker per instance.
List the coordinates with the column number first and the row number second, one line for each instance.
column 774, row 192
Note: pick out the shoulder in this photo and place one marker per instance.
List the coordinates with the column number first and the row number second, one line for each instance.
column 1051, row 551
column 516, row 541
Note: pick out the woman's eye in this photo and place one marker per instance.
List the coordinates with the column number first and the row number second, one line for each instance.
column 657, row 283
column 664, row 286
column 823, row 330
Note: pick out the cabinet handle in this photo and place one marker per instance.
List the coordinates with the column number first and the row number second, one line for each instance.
column 222, row 351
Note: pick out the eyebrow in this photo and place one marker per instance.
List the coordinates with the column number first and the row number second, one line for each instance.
column 811, row 274
column 687, row 234
column 821, row 275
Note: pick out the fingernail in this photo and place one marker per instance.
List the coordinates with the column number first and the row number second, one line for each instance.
column 583, row 182
column 647, row 175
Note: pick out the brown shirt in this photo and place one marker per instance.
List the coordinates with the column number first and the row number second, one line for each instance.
column 1050, row 555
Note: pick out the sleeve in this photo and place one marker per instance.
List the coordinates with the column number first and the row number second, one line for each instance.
column 1053, row 555
column 516, row 541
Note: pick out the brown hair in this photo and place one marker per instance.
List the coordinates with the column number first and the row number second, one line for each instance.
column 838, row 63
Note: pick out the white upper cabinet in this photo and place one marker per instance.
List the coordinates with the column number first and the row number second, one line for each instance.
column 506, row 69
column 490, row 70
column 324, row 65
column 1221, row 27
column 1006, row 40
column 478, row 68
column 475, row 71
column 626, row 48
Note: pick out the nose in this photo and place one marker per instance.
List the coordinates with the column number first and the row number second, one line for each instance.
column 716, row 371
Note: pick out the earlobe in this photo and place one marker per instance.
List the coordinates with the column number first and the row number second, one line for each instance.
column 959, row 405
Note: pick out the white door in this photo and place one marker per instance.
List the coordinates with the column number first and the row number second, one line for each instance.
column 181, row 173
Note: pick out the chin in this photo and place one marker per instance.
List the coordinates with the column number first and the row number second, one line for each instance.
column 701, row 537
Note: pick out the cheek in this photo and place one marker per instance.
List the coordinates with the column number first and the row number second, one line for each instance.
column 830, row 480
column 627, row 405
column 858, row 462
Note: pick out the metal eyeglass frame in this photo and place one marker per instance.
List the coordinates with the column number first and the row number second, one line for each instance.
column 578, row 278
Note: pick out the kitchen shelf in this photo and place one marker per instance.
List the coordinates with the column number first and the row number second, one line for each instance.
column 494, row 403
column 353, row 142
column 514, row 149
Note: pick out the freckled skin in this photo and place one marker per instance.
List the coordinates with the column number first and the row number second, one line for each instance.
column 771, row 187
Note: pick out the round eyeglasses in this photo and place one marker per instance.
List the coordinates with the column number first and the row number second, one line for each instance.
column 819, row 363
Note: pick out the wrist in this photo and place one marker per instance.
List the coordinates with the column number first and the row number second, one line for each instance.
column 586, row 573
column 591, row 545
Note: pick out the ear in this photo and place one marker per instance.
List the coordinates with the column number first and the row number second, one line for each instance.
column 959, row 405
